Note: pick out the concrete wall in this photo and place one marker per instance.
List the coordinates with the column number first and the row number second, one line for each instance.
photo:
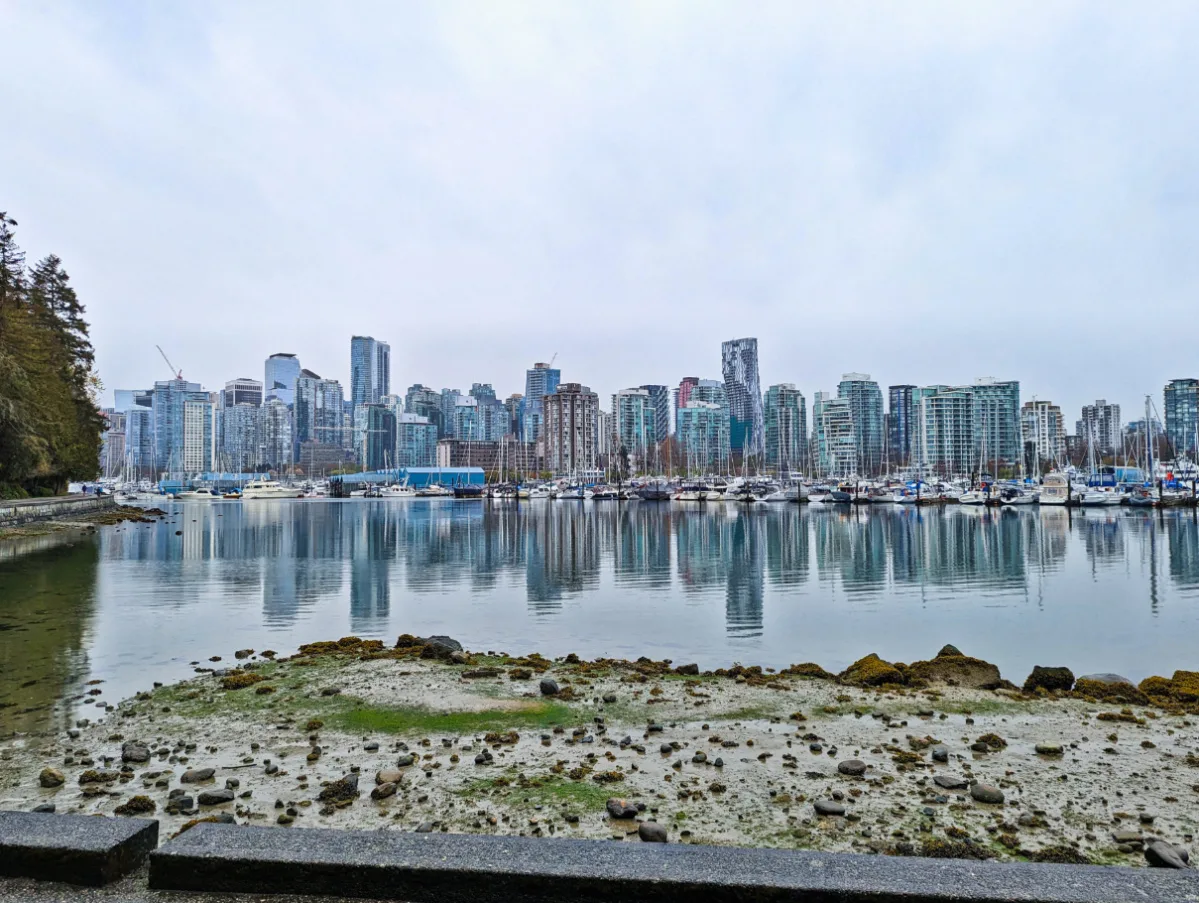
column 63, row 507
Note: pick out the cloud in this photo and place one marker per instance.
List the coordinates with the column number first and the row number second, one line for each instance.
column 926, row 192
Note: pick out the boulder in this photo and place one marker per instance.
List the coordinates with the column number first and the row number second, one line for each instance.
column 135, row 752
column 549, row 686
column 383, row 791
column 618, row 808
column 1109, row 688
column 828, row 807
column 986, row 793
column 1162, row 855
column 51, row 777
column 854, row 768
column 956, row 670
column 215, row 797
column 1043, row 678
column 651, row 832
column 692, row 669
column 947, row 650
column 949, row 782
column 342, row 789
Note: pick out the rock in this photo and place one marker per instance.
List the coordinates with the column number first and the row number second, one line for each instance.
column 389, row 776
column 371, row 747
column 956, row 670
column 138, row 805
column 1109, row 688
column 940, row 753
column 609, row 697
column 134, row 752
column 549, row 686
column 651, row 832
column 331, row 691
column 383, row 791
column 872, row 671
column 947, row 650
column 949, row 782
column 692, row 669
column 177, row 804
column 1161, row 855
column 986, row 793
column 699, row 758
column 828, row 807
column 1043, row 678
column 215, row 797
column 1107, row 678
column 51, row 777
column 1123, row 837
column 458, row 657
column 405, row 760
column 195, row 775
column 852, row 767
column 425, row 827
column 342, row 789
column 666, row 749
column 44, row 808
column 618, row 808
column 1049, row 749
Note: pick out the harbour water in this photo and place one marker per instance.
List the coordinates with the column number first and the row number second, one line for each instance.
column 1097, row 590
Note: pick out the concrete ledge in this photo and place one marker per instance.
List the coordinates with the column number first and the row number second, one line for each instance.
column 25, row 511
column 442, row 868
column 74, row 849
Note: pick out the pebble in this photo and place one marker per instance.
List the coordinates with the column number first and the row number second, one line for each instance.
column 195, row 775
column 618, row 808
column 828, row 807
column 1049, row 749
column 699, row 758
column 666, row 749
column 215, row 797
column 383, row 791
column 44, row 807
column 134, row 752
column 651, row 832
column 51, row 777
column 609, row 697
column 405, row 761
column 389, row 776
column 852, row 767
column 549, row 686
column 940, row 753
column 371, row 747
column 949, row 782
column 986, row 793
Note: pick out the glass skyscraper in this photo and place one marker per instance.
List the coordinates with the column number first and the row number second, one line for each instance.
column 786, row 418
column 996, row 413
column 282, row 371
column 370, row 370
column 739, row 366
column 1182, row 416
column 541, row 381
column 866, row 408
column 901, row 423
column 416, row 441
column 169, row 399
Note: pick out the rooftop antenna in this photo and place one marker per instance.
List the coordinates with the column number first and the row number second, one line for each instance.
column 178, row 373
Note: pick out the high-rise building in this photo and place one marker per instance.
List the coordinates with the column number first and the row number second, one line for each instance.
column 319, row 412
column 112, row 443
column 944, row 440
column 711, row 391
column 901, row 423
column 465, row 417
column 997, row 431
column 1044, row 429
column 682, row 395
column 199, row 435
column 370, row 370
column 126, row 399
column 282, row 371
column 378, row 437
column 635, row 423
column 702, row 431
column 660, row 398
column 541, row 381
column 242, row 390
column 241, row 438
column 449, row 402
column 1182, row 416
column 139, row 442
column 483, row 392
column 569, row 429
column 168, row 400
column 275, row 433
column 416, row 441
column 866, row 408
column 836, row 440
column 786, row 419
column 739, row 366
column 425, row 402
column 1100, row 424
column 494, row 419
column 514, row 404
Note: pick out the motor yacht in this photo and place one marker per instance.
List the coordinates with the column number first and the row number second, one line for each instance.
column 203, row 493
column 270, row 489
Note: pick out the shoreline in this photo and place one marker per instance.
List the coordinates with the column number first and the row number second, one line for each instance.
column 87, row 521
column 940, row 757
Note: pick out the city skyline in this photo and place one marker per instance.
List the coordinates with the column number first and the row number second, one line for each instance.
column 887, row 193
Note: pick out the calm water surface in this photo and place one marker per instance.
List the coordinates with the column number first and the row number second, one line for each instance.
column 770, row 585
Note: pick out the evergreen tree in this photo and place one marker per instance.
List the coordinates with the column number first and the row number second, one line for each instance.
column 49, row 422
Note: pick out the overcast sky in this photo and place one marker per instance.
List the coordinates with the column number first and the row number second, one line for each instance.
column 924, row 192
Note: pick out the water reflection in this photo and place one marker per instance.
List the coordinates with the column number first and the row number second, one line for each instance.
column 646, row 578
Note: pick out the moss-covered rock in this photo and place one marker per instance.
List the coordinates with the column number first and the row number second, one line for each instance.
column 1183, row 687
column 956, row 671
column 240, row 680
column 1043, row 678
column 872, row 671
column 138, row 805
column 1107, row 691
column 809, row 670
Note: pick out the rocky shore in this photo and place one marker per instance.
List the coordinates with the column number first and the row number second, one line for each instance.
column 937, row 758
column 87, row 521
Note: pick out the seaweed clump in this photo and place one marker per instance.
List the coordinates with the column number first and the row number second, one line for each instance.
column 872, row 671
column 1060, row 853
column 807, row 670
column 138, row 805
column 1102, row 691
column 240, row 680
column 1182, row 688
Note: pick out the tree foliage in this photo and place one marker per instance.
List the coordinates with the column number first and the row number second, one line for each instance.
column 49, row 423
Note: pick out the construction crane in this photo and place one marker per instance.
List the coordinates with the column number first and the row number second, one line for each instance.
column 178, row 373
column 552, row 359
